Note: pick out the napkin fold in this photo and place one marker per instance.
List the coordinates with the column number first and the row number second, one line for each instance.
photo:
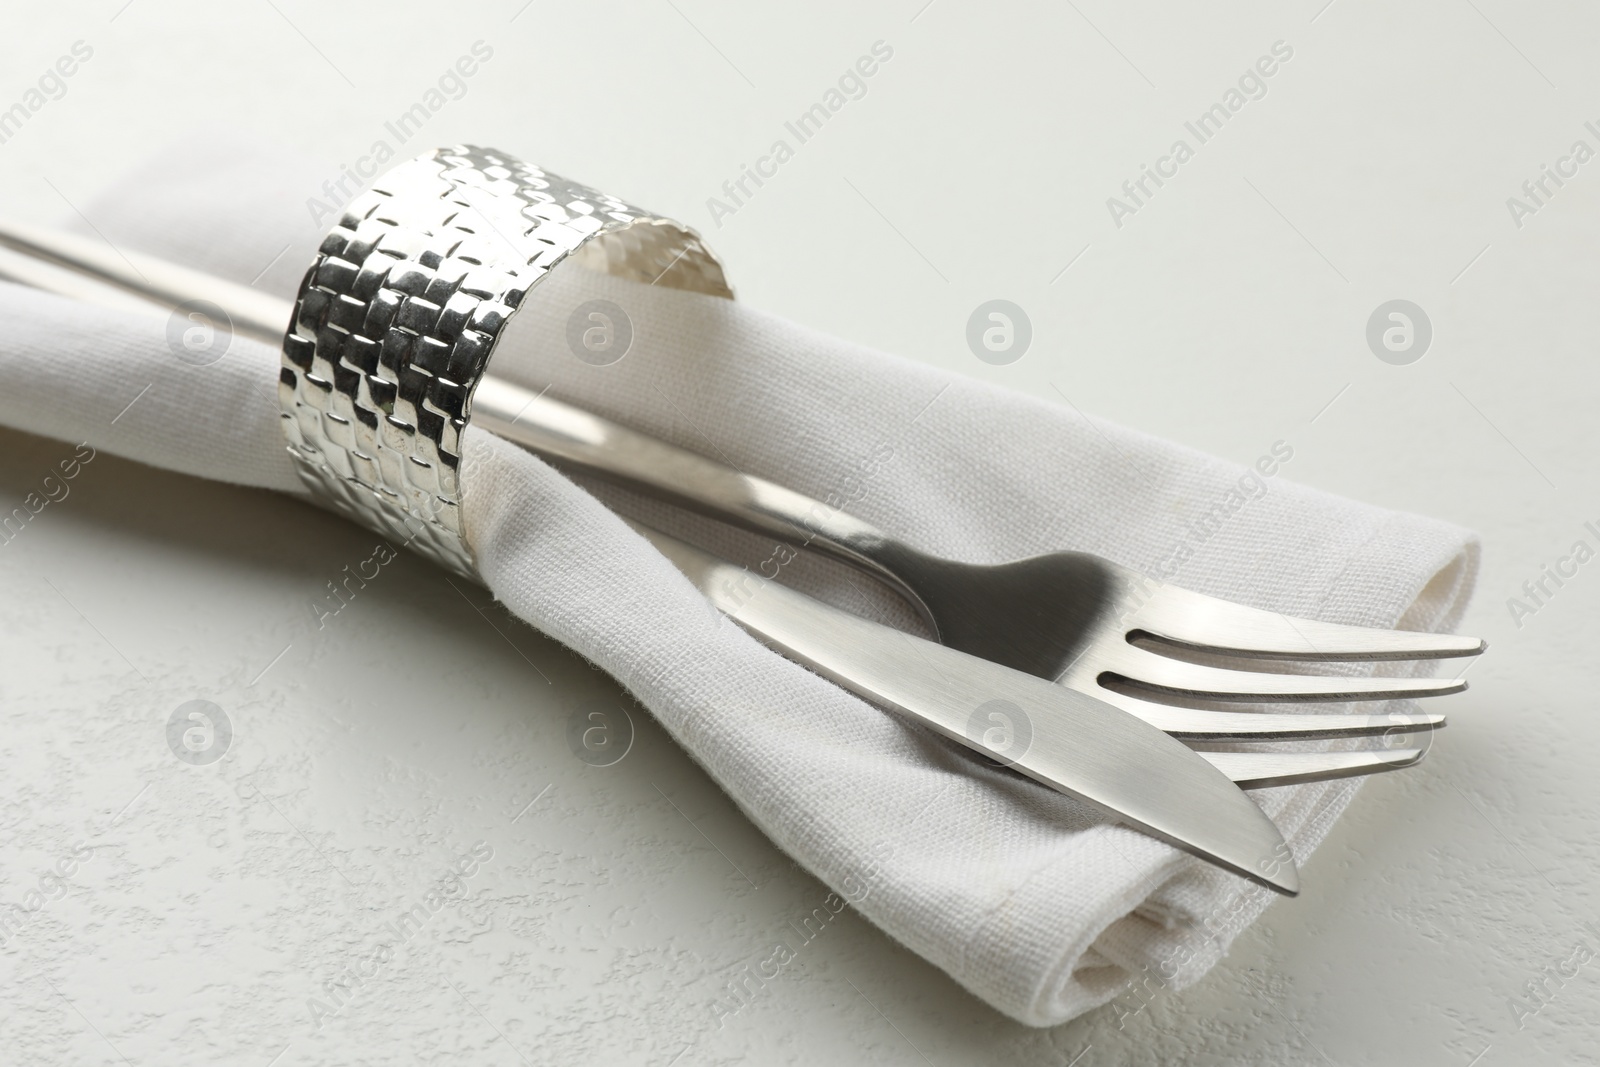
column 1025, row 897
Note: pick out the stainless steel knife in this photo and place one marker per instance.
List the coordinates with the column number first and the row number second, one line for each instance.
column 1069, row 741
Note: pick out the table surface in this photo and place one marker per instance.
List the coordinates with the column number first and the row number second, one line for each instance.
column 1227, row 306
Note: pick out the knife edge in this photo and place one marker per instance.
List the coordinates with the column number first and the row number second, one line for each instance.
column 1070, row 742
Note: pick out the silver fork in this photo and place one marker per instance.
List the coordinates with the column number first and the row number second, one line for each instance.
column 1069, row 617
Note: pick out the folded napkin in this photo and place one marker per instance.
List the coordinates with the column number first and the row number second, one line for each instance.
column 1028, row 899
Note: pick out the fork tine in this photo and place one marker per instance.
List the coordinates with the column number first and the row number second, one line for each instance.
column 1257, row 770
column 1145, row 669
column 1194, row 620
column 1199, row 724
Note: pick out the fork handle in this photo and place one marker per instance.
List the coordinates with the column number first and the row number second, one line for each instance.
column 576, row 439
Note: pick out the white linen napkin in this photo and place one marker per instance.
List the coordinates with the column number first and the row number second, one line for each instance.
column 1026, row 898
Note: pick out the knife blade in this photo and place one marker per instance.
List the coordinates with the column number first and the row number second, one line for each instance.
column 1073, row 743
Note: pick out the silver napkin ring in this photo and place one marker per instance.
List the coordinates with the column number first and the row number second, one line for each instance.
column 398, row 317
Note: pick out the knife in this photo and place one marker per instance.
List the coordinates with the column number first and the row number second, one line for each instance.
column 1073, row 743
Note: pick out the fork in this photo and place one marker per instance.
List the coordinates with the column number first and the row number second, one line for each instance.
column 935, row 685
column 1070, row 617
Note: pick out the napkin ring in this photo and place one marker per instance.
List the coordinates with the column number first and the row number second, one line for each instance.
column 397, row 320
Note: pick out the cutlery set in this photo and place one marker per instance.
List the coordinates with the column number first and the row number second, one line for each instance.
column 1067, row 668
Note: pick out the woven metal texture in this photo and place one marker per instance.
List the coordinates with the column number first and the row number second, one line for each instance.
column 398, row 317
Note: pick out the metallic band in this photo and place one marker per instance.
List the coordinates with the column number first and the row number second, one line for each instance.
column 398, row 317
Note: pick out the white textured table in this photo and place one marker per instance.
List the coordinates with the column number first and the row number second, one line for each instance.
column 202, row 910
